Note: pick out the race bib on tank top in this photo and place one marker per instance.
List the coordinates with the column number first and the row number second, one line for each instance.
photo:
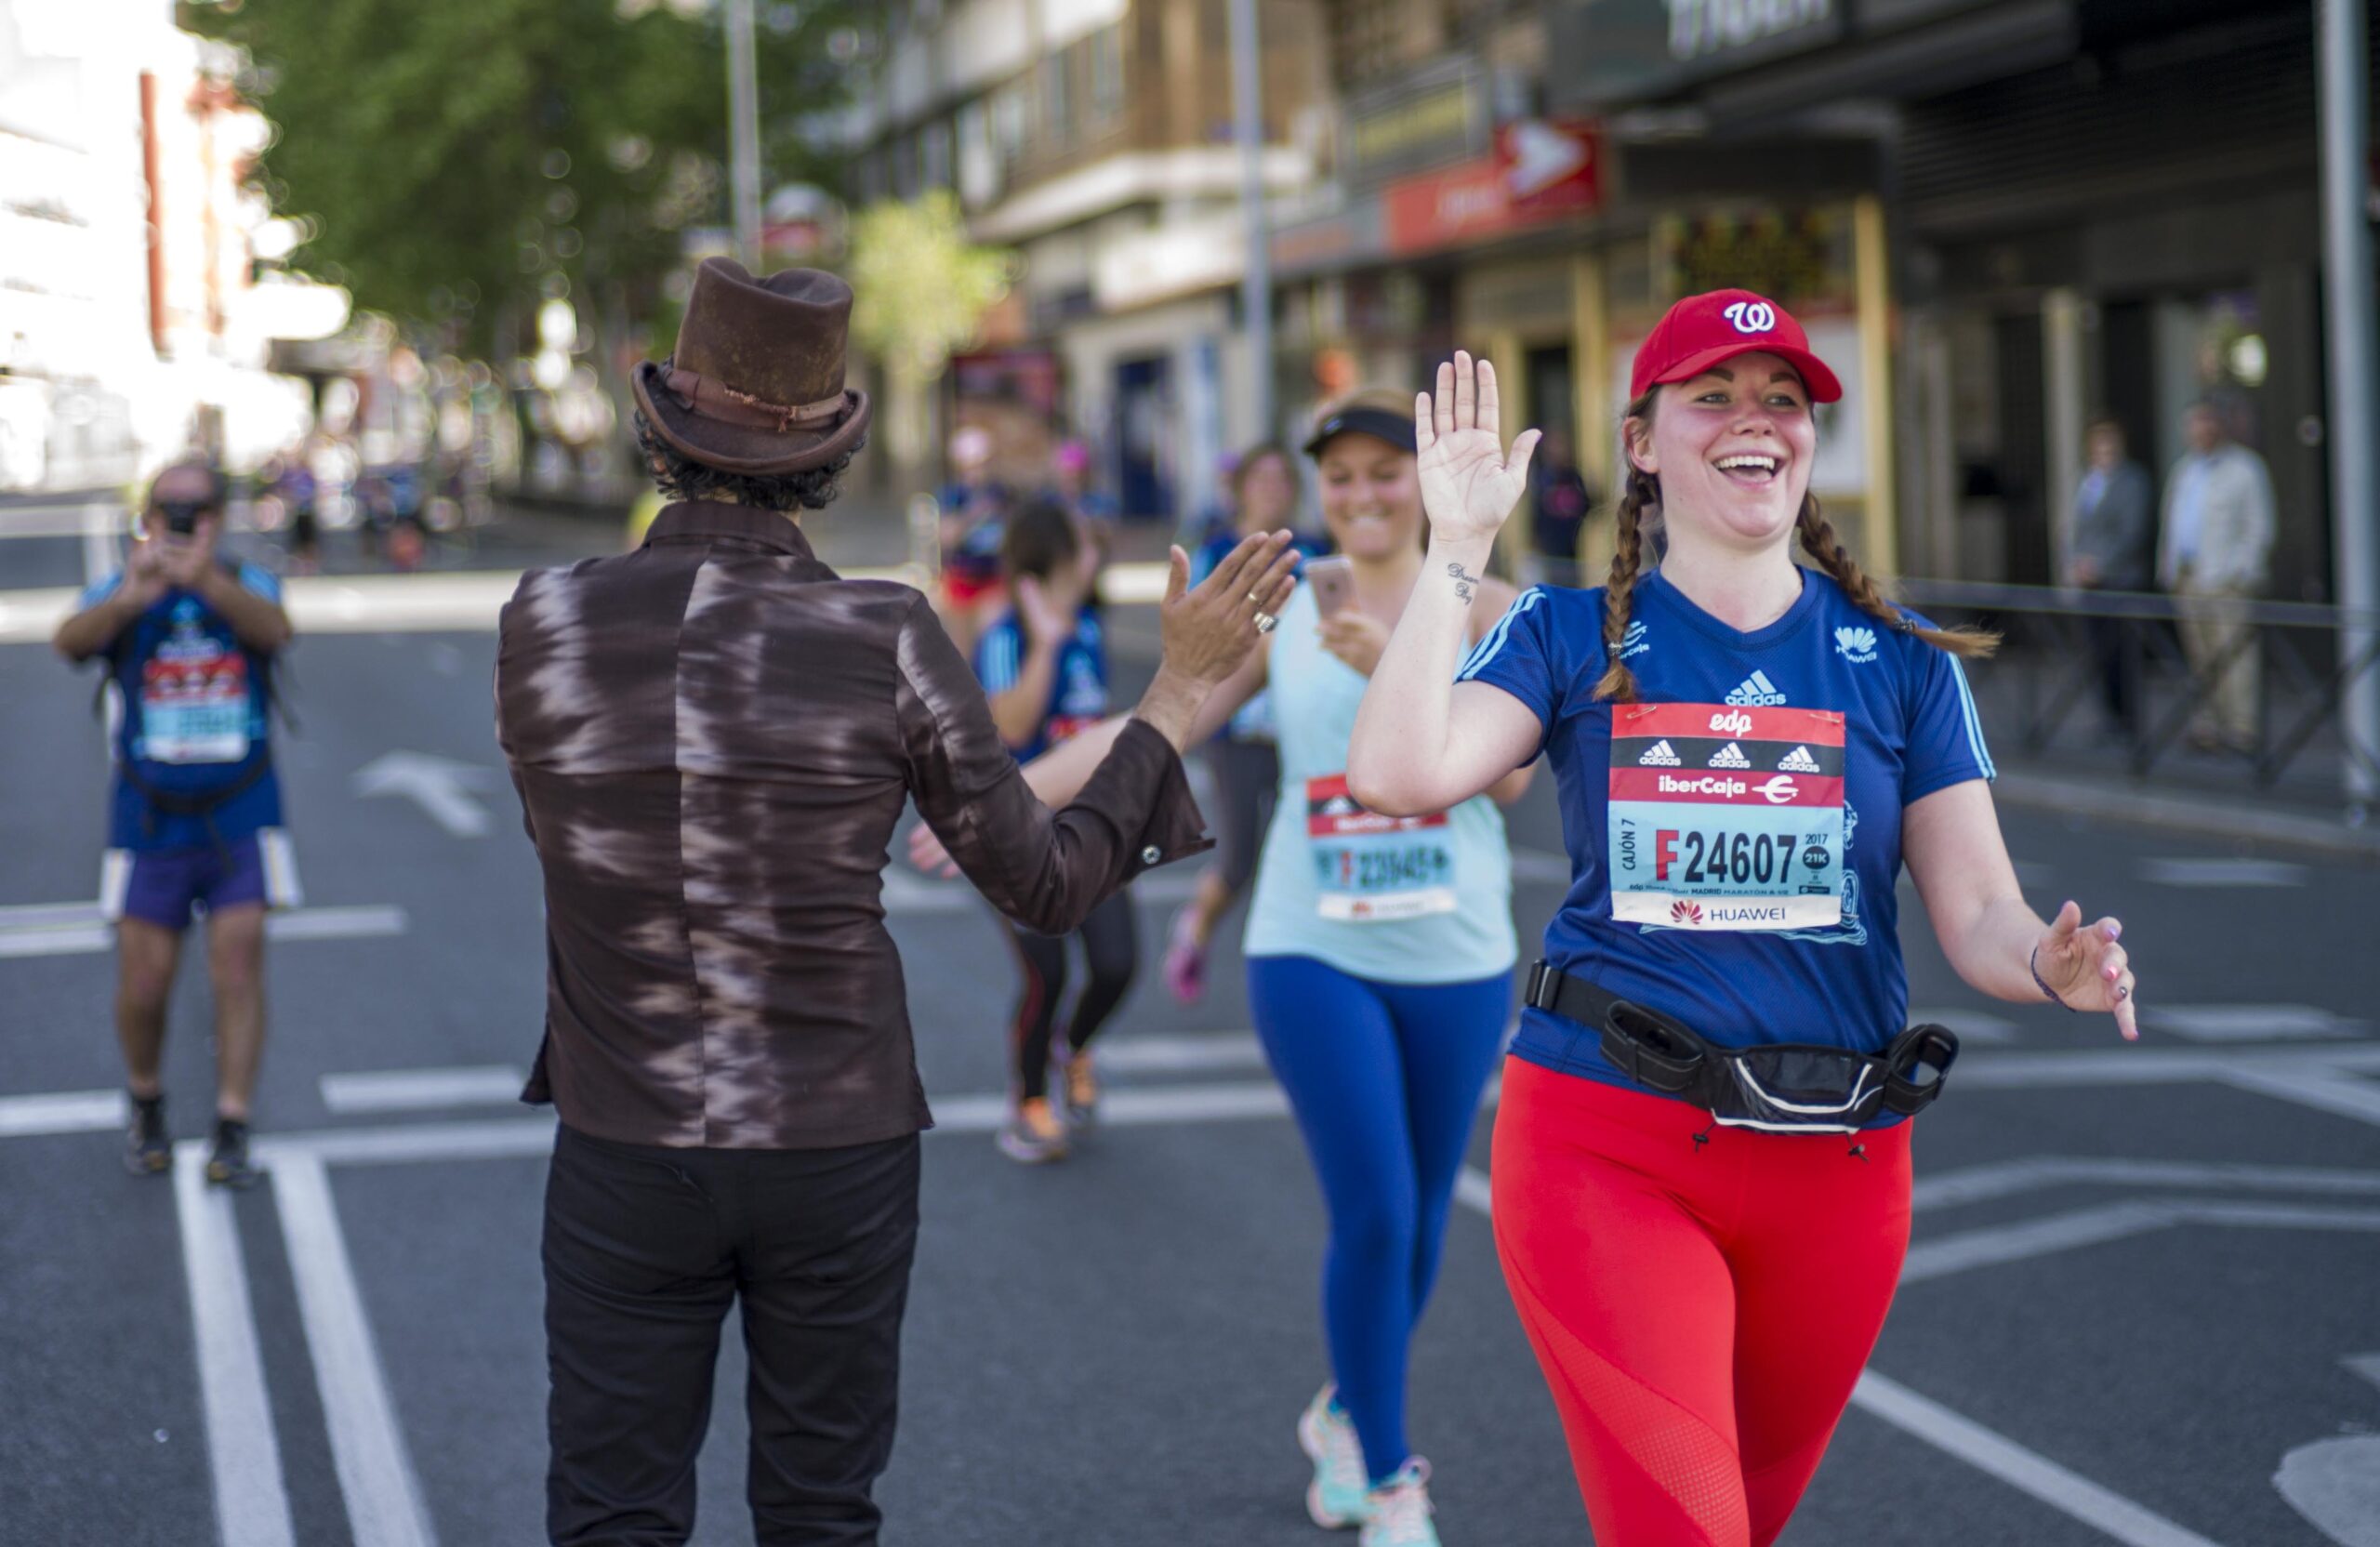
column 1370, row 869
column 1725, row 817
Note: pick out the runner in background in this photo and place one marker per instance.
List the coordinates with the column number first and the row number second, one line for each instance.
column 1043, row 663
column 1380, row 957
column 189, row 639
column 1702, row 1238
column 1243, row 758
column 973, row 507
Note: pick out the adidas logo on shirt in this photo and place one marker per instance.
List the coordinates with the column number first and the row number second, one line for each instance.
column 1730, row 755
column 1798, row 760
column 1659, row 755
column 1756, row 689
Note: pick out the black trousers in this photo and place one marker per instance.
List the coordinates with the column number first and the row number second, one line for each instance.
column 645, row 1248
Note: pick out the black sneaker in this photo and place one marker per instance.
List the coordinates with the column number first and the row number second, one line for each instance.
column 228, row 1165
column 148, row 1148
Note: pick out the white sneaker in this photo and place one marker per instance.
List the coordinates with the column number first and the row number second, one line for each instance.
column 1336, row 1497
column 1400, row 1509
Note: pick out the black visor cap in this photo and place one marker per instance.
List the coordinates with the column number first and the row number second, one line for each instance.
column 1381, row 423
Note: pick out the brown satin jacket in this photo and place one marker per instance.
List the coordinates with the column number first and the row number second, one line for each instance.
column 713, row 737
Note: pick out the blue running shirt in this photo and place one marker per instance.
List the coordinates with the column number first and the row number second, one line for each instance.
column 1735, row 833
column 195, row 709
column 1078, row 690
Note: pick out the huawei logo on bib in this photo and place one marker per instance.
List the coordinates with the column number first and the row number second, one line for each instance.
column 1752, row 316
column 1683, row 912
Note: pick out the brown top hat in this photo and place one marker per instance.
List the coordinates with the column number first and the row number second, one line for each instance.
column 756, row 383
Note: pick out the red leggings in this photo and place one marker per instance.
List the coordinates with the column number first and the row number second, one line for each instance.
column 1702, row 1311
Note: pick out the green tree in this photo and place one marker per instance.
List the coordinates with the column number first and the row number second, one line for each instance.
column 453, row 162
column 919, row 292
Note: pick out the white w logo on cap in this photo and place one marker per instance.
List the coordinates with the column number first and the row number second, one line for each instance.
column 1752, row 316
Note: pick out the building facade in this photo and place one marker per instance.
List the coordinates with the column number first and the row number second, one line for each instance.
column 1093, row 137
column 131, row 324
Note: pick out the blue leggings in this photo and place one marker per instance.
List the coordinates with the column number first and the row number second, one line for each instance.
column 1385, row 1078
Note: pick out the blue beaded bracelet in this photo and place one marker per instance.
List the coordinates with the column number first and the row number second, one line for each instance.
column 2032, row 965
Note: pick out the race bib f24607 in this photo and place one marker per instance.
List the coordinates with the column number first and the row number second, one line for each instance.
column 1725, row 817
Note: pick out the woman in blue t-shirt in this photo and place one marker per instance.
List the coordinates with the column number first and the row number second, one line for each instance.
column 1043, row 663
column 1746, row 750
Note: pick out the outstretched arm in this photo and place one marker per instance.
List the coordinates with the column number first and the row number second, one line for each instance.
column 1993, row 938
column 1423, row 742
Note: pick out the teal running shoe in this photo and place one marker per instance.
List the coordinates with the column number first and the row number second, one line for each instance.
column 1336, row 1497
column 1400, row 1509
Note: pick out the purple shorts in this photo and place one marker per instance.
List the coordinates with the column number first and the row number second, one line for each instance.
column 161, row 886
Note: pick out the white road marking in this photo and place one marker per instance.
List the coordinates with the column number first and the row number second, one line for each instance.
column 439, row 785
column 62, row 1112
column 421, row 1090
column 2334, row 1093
column 2247, row 1022
column 375, row 1474
column 1474, row 1191
column 243, row 1450
column 1996, row 1245
column 2027, row 1471
column 2007, row 1178
column 95, row 934
column 102, row 526
column 1967, row 1025
column 2336, row 1483
column 2222, row 873
column 1238, row 1049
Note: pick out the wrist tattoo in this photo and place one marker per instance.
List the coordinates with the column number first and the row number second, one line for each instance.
column 1466, row 585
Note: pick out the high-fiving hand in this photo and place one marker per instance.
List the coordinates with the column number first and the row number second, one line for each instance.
column 1469, row 485
column 2086, row 970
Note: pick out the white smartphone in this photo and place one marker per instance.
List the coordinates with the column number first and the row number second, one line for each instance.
column 1334, row 582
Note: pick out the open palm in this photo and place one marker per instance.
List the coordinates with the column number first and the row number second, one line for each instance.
column 1469, row 485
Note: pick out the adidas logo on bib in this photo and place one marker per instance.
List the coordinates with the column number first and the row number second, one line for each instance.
column 1756, row 690
column 1659, row 755
column 1730, row 755
column 1798, row 760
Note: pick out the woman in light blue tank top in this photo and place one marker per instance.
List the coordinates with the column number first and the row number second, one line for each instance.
column 1380, row 961
column 1380, row 964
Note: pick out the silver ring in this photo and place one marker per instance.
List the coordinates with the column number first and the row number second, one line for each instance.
column 1266, row 623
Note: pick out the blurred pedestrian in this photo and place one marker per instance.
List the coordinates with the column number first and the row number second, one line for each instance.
column 1380, row 957
column 1043, row 663
column 975, row 504
column 1559, row 499
column 299, row 492
column 1243, row 757
column 1701, row 1167
column 2114, row 509
column 1074, row 483
column 189, row 638
column 2216, row 542
column 714, row 737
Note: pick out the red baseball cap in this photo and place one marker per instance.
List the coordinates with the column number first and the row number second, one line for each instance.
column 1701, row 331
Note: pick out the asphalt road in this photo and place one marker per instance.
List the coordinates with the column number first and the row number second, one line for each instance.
column 2143, row 1281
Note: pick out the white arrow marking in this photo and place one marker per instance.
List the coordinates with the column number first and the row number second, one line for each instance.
column 1542, row 155
column 435, row 784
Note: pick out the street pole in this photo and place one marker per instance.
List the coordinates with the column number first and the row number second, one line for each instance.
column 2355, row 395
column 744, row 113
column 1256, row 278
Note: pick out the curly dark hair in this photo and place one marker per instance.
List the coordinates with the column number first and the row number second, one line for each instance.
column 680, row 477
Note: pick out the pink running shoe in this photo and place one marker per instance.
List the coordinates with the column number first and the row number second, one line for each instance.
column 1185, row 961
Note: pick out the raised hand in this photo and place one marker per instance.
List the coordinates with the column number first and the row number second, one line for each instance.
column 1046, row 622
column 2084, row 969
column 1209, row 629
column 1469, row 485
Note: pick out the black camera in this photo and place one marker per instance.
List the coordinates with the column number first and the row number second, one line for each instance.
column 182, row 515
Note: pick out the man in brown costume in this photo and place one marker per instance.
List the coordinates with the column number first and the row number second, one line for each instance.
column 713, row 737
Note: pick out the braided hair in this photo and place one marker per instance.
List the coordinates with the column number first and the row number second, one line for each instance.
column 1818, row 538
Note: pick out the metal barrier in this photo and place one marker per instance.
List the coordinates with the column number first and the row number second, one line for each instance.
column 2061, row 646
